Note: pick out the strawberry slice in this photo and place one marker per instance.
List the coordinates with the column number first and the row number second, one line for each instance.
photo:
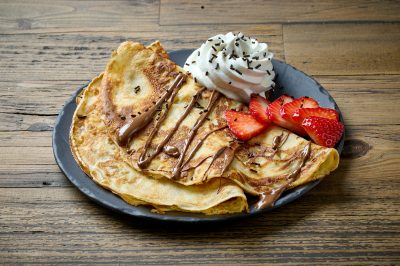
column 274, row 113
column 288, row 109
column 243, row 126
column 258, row 108
column 323, row 131
column 302, row 113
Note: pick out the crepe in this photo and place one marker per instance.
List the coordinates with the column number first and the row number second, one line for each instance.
column 101, row 159
column 134, row 82
column 147, row 104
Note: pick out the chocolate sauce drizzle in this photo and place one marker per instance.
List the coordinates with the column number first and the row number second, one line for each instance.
column 268, row 199
column 145, row 158
column 172, row 151
column 176, row 172
column 227, row 159
column 198, row 145
column 213, row 158
column 143, row 119
column 277, row 142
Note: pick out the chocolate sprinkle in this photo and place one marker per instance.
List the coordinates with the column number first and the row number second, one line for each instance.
column 193, row 62
column 186, row 64
column 217, row 66
column 240, row 73
column 198, row 53
column 197, row 105
column 137, row 89
column 214, row 48
column 258, row 66
column 206, row 73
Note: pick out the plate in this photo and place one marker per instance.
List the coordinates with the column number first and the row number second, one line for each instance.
column 289, row 81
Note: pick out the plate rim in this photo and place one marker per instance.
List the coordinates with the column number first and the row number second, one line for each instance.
column 186, row 217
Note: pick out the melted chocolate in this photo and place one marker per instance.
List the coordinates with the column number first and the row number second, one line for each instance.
column 143, row 119
column 228, row 158
column 199, row 144
column 278, row 141
column 172, row 151
column 143, row 160
column 176, row 172
column 268, row 200
column 213, row 158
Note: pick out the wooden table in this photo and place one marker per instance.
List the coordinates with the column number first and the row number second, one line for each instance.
column 50, row 48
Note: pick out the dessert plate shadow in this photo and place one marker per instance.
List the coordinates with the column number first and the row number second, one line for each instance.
column 289, row 81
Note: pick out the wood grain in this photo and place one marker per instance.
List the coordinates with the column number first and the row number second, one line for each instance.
column 344, row 49
column 275, row 11
column 72, row 224
column 24, row 16
column 80, row 56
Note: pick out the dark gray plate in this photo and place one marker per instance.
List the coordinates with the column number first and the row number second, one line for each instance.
column 290, row 81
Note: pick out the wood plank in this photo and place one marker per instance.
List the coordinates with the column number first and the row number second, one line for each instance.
column 40, row 98
column 365, row 100
column 182, row 12
column 17, row 121
column 60, row 224
column 23, row 16
column 344, row 49
column 80, row 56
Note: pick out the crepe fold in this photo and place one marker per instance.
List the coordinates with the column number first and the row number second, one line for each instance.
column 102, row 159
column 135, row 80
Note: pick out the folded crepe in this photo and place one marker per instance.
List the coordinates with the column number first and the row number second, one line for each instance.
column 168, row 126
column 101, row 159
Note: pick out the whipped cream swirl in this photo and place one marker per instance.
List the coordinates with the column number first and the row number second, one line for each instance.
column 233, row 64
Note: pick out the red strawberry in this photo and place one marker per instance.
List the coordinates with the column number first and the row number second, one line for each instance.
column 258, row 108
column 323, row 131
column 302, row 113
column 273, row 110
column 288, row 109
column 243, row 125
